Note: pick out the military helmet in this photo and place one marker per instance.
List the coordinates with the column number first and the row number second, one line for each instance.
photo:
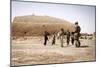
column 76, row 22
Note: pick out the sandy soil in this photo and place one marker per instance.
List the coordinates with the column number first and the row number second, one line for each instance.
column 32, row 51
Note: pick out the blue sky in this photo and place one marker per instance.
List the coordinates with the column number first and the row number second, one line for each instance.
column 85, row 15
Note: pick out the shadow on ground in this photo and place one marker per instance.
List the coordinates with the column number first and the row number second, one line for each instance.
column 84, row 46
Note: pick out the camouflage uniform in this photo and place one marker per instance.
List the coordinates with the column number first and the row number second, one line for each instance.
column 77, row 33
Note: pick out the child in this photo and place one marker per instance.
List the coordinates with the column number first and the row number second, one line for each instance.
column 72, row 38
column 68, row 37
column 53, row 40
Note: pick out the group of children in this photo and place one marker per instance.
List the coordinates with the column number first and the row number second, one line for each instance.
column 74, row 36
column 60, row 36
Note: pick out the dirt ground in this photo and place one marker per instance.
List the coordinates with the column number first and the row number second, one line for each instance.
column 31, row 50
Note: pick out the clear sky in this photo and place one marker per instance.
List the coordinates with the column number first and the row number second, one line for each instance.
column 85, row 15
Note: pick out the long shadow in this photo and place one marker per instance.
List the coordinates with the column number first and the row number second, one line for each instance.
column 84, row 46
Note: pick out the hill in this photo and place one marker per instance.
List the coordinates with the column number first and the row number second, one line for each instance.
column 35, row 25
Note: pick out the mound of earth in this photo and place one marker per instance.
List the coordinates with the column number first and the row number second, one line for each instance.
column 35, row 25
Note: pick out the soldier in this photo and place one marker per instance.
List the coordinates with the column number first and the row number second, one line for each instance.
column 61, row 36
column 68, row 37
column 72, row 38
column 45, row 37
column 77, row 34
